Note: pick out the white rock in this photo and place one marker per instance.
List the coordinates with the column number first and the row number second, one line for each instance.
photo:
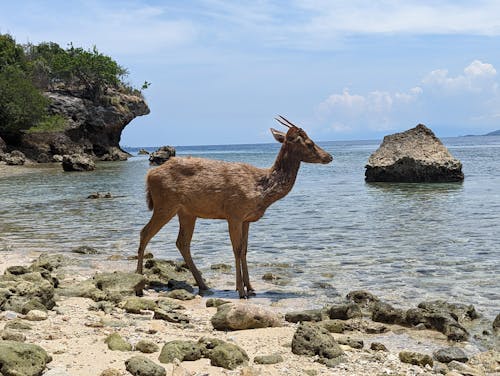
column 36, row 315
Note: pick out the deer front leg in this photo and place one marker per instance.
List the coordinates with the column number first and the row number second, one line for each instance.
column 235, row 233
column 244, row 267
column 157, row 221
column 186, row 229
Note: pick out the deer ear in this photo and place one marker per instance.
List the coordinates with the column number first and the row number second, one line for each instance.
column 279, row 136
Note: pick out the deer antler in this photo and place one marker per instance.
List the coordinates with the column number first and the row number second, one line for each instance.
column 282, row 120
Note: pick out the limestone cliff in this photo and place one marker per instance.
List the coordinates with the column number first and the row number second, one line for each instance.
column 91, row 128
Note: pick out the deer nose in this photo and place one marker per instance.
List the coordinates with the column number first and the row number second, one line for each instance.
column 328, row 158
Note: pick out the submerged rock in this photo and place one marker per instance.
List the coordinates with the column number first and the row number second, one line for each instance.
column 415, row 155
column 17, row 358
column 244, row 316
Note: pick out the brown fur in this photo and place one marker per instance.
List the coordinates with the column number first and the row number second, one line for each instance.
column 237, row 192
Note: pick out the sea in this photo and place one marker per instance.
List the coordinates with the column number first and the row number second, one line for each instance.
column 332, row 234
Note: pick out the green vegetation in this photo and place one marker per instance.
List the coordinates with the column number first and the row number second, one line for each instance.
column 28, row 70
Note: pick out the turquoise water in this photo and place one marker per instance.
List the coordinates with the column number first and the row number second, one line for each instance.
column 333, row 233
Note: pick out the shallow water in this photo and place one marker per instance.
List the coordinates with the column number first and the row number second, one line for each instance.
column 333, row 233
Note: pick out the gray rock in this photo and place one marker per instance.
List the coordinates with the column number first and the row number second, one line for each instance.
column 14, row 158
column 496, row 323
column 118, row 285
column 307, row 315
column 464, row 369
column 384, row 312
column 170, row 316
column 268, row 359
column 223, row 354
column 12, row 335
column 86, row 250
column 362, row 297
column 163, row 154
column 221, row 267
column 77, row 162
column 310, row 339
column 244, row 316
column 182, row 350
column 215, row 302
column 443, row 317
column 180, row 294
column 415, row 358
column 377, row 346
column 17, row 358
column 333, row 326
column 146, row 346
column 136, row 304
column 344, row 311
column 416, row 155
column 447, row 354
column 142, row 366
column 115, row 342
column 351, row 342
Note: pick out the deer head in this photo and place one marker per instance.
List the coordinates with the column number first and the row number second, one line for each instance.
column 299, row 143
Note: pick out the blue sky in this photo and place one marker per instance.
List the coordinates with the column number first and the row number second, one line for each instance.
column 343, row 70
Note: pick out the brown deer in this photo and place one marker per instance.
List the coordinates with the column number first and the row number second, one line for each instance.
column 237, row 192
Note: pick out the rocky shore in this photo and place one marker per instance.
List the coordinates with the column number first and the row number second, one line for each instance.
column 58, row 318
column 92, row 130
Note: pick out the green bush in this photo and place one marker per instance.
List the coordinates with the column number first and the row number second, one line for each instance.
column 50, row 123
column 21, row 104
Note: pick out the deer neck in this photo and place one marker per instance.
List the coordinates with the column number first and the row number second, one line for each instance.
column 281, row 176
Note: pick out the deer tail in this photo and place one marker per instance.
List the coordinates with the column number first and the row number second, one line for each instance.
column 149, row 198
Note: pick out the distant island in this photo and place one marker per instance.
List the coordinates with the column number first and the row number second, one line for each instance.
column 494, row 133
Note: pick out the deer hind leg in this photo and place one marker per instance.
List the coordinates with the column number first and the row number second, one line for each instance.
column 186, row 228
column 244, row 267
column 236, row 234
column 159, row 219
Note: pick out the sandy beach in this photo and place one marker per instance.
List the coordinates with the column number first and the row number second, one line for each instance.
column 73, row 335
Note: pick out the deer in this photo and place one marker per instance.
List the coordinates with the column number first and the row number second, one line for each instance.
column 239, row 193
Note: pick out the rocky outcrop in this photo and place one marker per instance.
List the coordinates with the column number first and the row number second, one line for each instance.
column 76, row 162
column 163, row 154
column 90, row 128
column 415, row 155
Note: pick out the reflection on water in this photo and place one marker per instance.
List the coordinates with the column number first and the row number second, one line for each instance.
column 332, row 234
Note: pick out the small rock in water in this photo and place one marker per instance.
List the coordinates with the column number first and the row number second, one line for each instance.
column 221, row 267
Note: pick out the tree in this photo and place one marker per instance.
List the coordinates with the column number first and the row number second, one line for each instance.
column 21, row 104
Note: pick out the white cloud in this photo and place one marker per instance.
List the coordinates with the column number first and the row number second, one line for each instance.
column 477, row 77
column 439, row 96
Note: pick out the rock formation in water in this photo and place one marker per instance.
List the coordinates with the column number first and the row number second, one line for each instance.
column 415, row 155
column 92, row 128
column 163, row 154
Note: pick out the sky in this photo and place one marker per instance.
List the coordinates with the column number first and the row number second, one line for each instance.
column 220, row 71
